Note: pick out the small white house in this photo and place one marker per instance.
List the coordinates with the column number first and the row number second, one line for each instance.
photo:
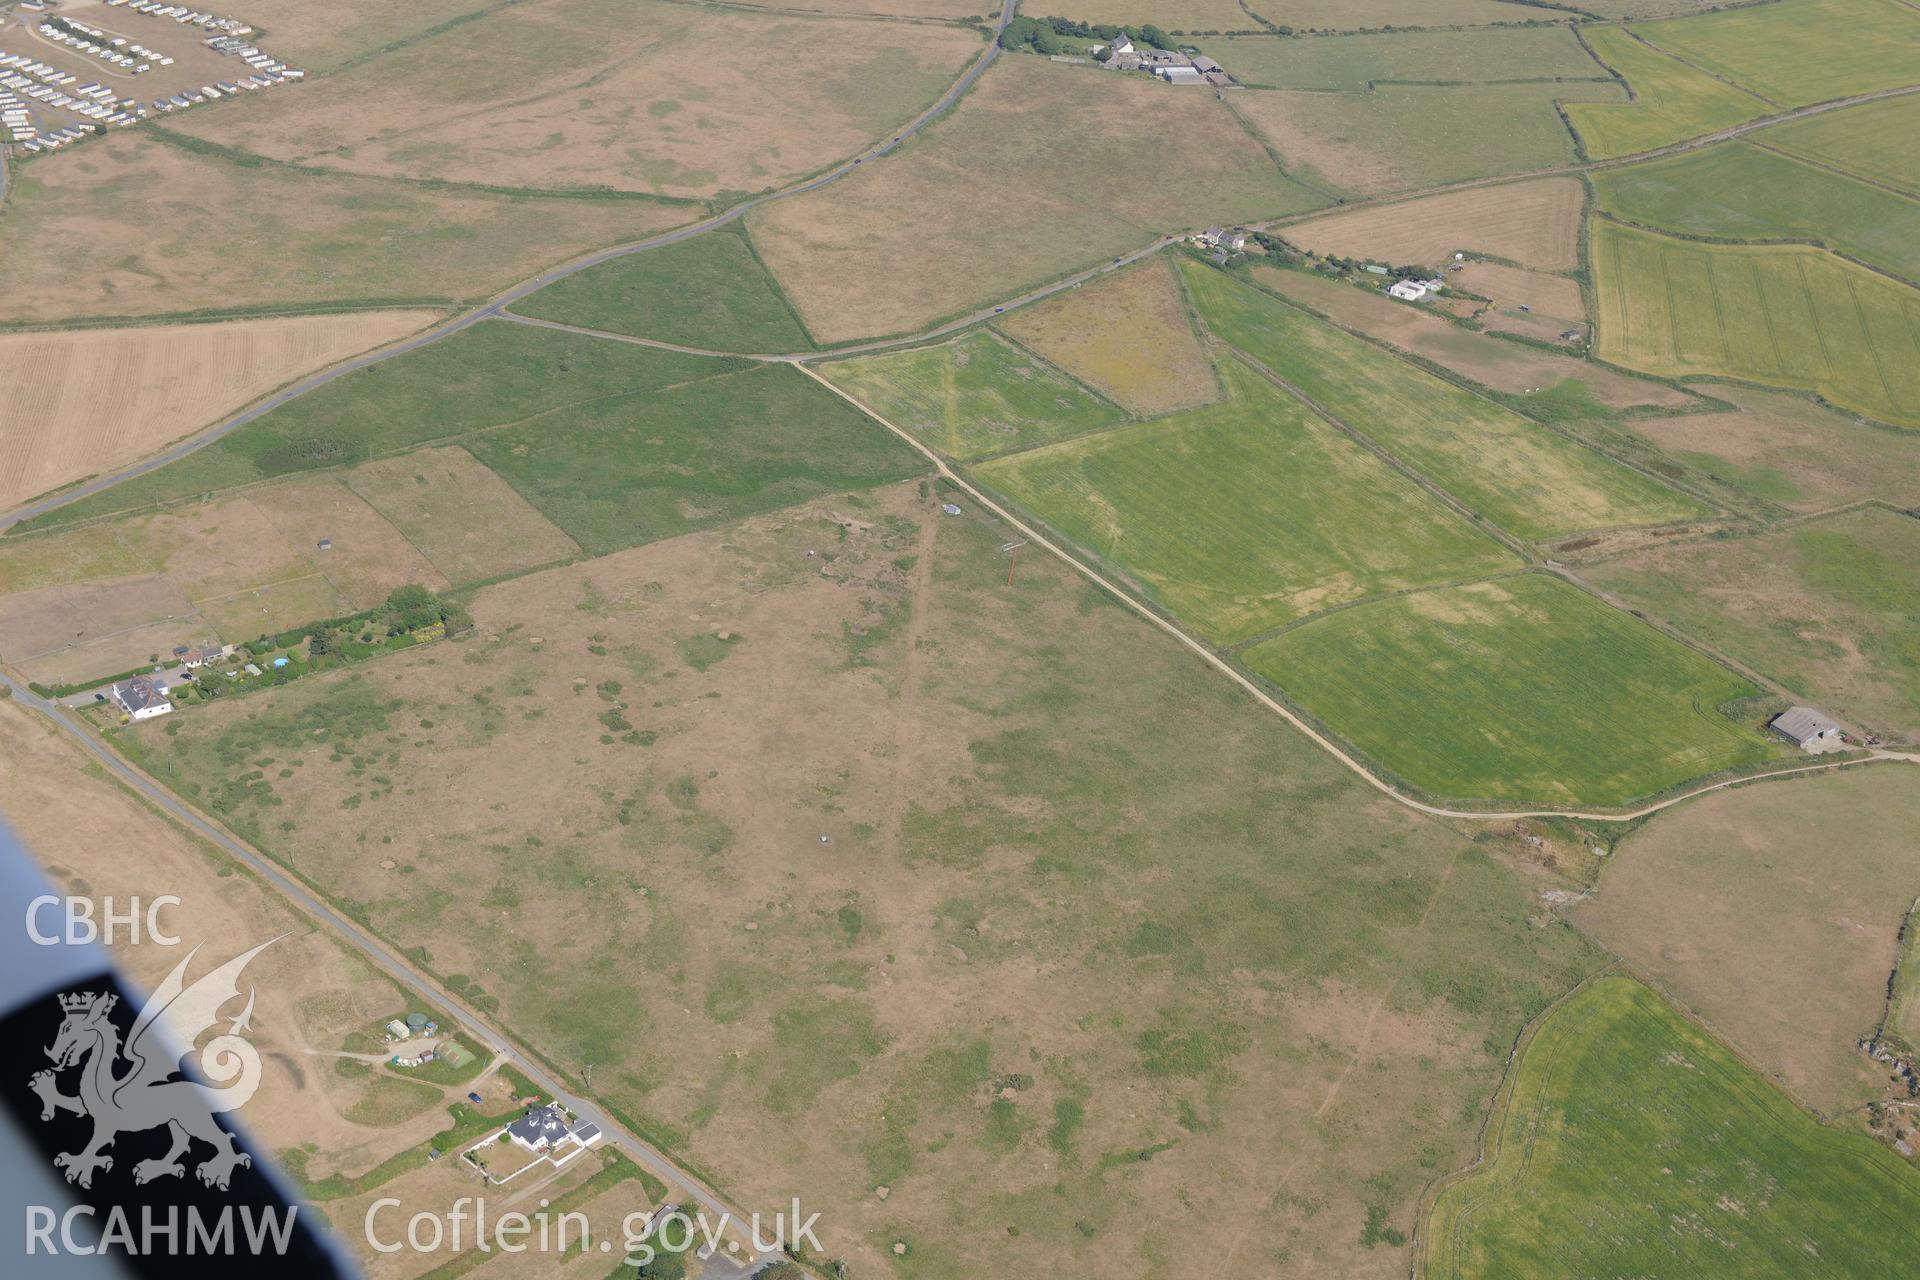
column 1408, row 290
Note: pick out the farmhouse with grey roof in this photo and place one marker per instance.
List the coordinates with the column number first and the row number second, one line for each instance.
column 1807, row 728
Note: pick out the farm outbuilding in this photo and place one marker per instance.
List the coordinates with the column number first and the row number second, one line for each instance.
column 1806, row 728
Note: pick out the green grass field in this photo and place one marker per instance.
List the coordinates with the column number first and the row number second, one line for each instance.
column 1526, row 690
column 1735, row 191
column 1427, row 57
column 1407, row 136
column 621, row 472
column 709, row 292
column 975, row 395
column 1672, row 101
column 1787, row 316
column 1796, row 52
column 1879, row 141
column 494, row 373
column 1241, row 516
column 1828, row 609
column 1631, row 1144
column 1524, row 478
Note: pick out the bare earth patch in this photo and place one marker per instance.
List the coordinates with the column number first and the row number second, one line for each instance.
column 1771, row 912
column 87, row 401
column 1536, row 223
column 1128, row 336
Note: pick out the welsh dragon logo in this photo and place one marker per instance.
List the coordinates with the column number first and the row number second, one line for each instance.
column 137, row 1086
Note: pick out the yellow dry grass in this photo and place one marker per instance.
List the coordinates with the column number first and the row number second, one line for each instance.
column 1511, row 287
column 1536, row 223
column 1170, row 15
column 1128, row 336
column 367, row 557
column 465, row 519
column 1002, row 195
column 321, row 36
column 630, row 95
column 131, row 226
column 80, row 403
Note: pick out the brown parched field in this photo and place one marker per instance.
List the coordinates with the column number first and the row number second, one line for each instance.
column 83, row 402
column 1772, row 913
column 1128, row 336
column 1536, row 223
column 627, row 95
column 135, row 226
column 920, row 235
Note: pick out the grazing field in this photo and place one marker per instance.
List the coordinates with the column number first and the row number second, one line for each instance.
column 1553, row 297
column 919, row 235
column 1787, row 315
column 1629, row 1143
column 71, row 614
column 1879, row 141
column 487, row 376
column 708, row 292
column 323, row 38
column 1738, row 906
column 1797, row 52
column 975, row 395
column 1352, row 63
column 1402, row 137
column 1240, row 517
column 94, row 839
column 1739, row 192
column 616, row 474
column 1504, row 366
column 1672, row 101
column 1507, row 469
column 603, row 94
column 367, row 556
column 137, row 227
column 1827, row 609
column 1535, row 223
column 1346, row 15
column 1128, row 335
column 1525, row 690
column 1789, row 451
column 81, row 403
column 461, row 516
column 1090, row 932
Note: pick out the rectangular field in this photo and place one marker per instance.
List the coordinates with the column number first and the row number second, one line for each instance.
column 621, row 473
column 1243, row 516
column 1128, row 335
column 491, row 374
column 1879, row 141
column 1525, row 690
column 634, row 96
column 73, row 614
column 1672, row 101
column 1631, row 1143
column 1535, row 223
column 1796, row 52
column 1736, row 191
column 1784, row 449
column 323, row 38
column 920, row 235
column 366, row 557
column 972, row 396
column 84, row 402
column 1402, row 137
column 1827, row 609
column 194, row 230
column 1735, row 903
column 708, row 292
column 1504, row 366
column 1788, row 316
column 462, row 517
column 244, row 616
column 1514, row 472
column 1352, row 63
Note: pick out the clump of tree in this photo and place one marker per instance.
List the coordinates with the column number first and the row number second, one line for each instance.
column 1065, row 35
column 412, row 608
